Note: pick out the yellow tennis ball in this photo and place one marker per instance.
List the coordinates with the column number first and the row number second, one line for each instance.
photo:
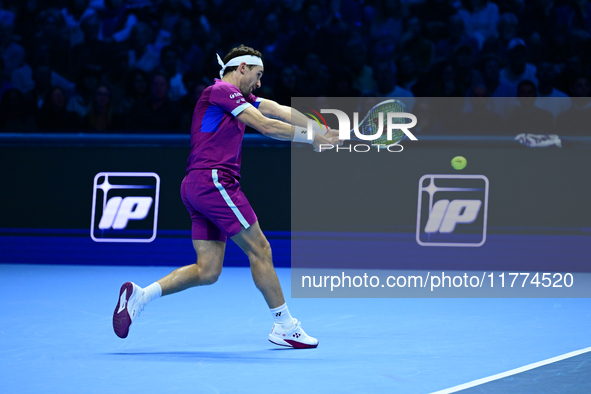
column 459, row 162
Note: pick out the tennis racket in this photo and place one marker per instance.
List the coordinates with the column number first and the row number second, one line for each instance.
column 370, row 124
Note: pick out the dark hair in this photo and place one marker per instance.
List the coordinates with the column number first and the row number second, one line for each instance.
column 577, row 76
column 47, row 103
column 13, row 106
column 92, row 114
column 109, row 4
column 487, row 57
column 87, row 71
column 528, row 83
column 572, row 80
column 240, row 51
column 521, row 85
column 130, row 80
column 161, row 73
column 71, row 6
column 177, row 27
column 169, row 48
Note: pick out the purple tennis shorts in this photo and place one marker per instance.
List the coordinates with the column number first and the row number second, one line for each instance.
column 217, row 206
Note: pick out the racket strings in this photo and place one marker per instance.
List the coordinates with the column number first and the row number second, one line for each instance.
column 371, row 123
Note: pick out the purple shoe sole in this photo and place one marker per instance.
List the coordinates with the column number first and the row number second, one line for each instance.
column 121, row 318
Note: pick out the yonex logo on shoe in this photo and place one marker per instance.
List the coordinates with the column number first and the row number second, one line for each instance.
column 297, row 335
column 125, row 207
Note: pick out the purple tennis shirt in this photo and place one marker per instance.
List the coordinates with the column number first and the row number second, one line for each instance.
column 216, row 134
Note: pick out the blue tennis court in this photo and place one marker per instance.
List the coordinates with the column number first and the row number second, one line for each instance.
column 60, row 287
column 57, row 337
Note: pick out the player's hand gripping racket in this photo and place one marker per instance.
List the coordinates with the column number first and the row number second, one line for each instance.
column 371, row 124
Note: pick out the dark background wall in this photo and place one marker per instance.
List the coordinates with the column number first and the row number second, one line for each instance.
column 531, row 190
column 540, row 189
column 51, row 187
column 46, row 199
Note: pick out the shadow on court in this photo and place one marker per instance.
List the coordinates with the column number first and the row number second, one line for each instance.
column 212, row 356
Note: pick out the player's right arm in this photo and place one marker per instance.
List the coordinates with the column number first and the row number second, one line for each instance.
column 276, row 129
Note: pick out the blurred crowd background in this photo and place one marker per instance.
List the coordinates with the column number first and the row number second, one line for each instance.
column 140, row 66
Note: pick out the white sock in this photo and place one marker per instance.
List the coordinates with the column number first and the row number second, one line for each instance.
column 282, row 316
column 152, row 292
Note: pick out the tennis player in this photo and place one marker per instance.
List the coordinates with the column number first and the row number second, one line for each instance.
column 211, row 192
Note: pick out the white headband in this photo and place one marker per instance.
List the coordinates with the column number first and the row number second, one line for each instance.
column 248, row 59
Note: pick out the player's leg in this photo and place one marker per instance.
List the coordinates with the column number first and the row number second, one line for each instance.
column 286, row 331
column 254, row 243
column 209, row 243
column 206, row 271
column 208, row 240
column 133, row 298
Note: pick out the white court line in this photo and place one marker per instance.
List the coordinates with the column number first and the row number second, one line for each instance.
column 512, row 372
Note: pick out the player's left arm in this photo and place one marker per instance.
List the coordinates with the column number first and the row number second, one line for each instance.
column 287, row 114
column 291, row 116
